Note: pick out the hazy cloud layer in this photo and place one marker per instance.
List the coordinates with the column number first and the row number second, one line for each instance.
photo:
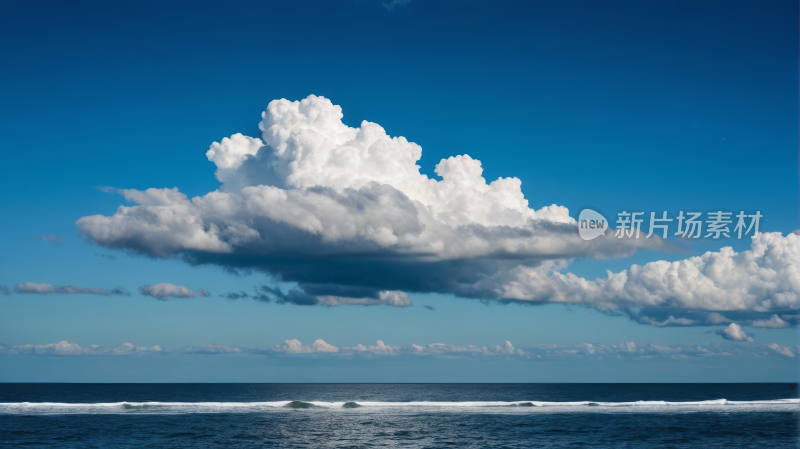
column 165, row 290
column 31, row 287
column 345, row 213
column 390, row 5
column 49, row 238
column 4, row 290
column 65, row 348
column 782, row 349
column 209, row 349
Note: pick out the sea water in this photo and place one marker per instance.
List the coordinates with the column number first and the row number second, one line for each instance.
column 399, row 415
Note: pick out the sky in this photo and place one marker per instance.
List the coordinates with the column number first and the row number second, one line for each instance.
column 368, row 191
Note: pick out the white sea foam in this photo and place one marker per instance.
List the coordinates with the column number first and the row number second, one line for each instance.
column 532, row 406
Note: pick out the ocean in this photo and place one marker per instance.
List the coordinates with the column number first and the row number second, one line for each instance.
column 399, row 415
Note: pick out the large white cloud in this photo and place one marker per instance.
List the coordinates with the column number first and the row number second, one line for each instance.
column 764, row 278
column 346, row 214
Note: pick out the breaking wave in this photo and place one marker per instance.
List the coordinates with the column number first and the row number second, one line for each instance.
column 527, row 406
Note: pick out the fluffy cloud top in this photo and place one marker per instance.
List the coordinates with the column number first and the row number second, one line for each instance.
column 31, row 287
column 295, row 347
column 346, row 214
column 734, row 332
column 165, row 290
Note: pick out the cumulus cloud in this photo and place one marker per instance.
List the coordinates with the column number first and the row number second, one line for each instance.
column 734, row 332
column 31, row 287
column 295, row 347
column 346, row 215
column 165, row 290
column 66, row 348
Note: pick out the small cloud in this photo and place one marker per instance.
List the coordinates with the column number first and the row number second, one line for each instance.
column 429, row 307
column 295, row 347
column 780, row 349
column 234, row 295
column 4, row 290
column 49, row 238
column 773, row 323
column 107, row 189
column 106, row 256
column 31, row 287
column 202, row 293
column 165, row 290
column 734, row 332
column 671, row 321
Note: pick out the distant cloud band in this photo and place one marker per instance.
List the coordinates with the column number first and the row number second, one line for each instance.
column 627, row 350
column 165, row 290
column 31, row 287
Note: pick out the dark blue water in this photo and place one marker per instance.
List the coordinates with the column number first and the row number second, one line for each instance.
column 403, row 415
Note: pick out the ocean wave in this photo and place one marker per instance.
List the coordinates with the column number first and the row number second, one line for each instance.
column 40, row 408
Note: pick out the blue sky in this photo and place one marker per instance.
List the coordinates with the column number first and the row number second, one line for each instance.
column 657, row 106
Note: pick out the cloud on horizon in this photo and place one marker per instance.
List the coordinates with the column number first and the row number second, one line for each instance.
column 346, row 215
column 32, row 287
column 165, row 290
column 627, row 350
column 65, row 348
